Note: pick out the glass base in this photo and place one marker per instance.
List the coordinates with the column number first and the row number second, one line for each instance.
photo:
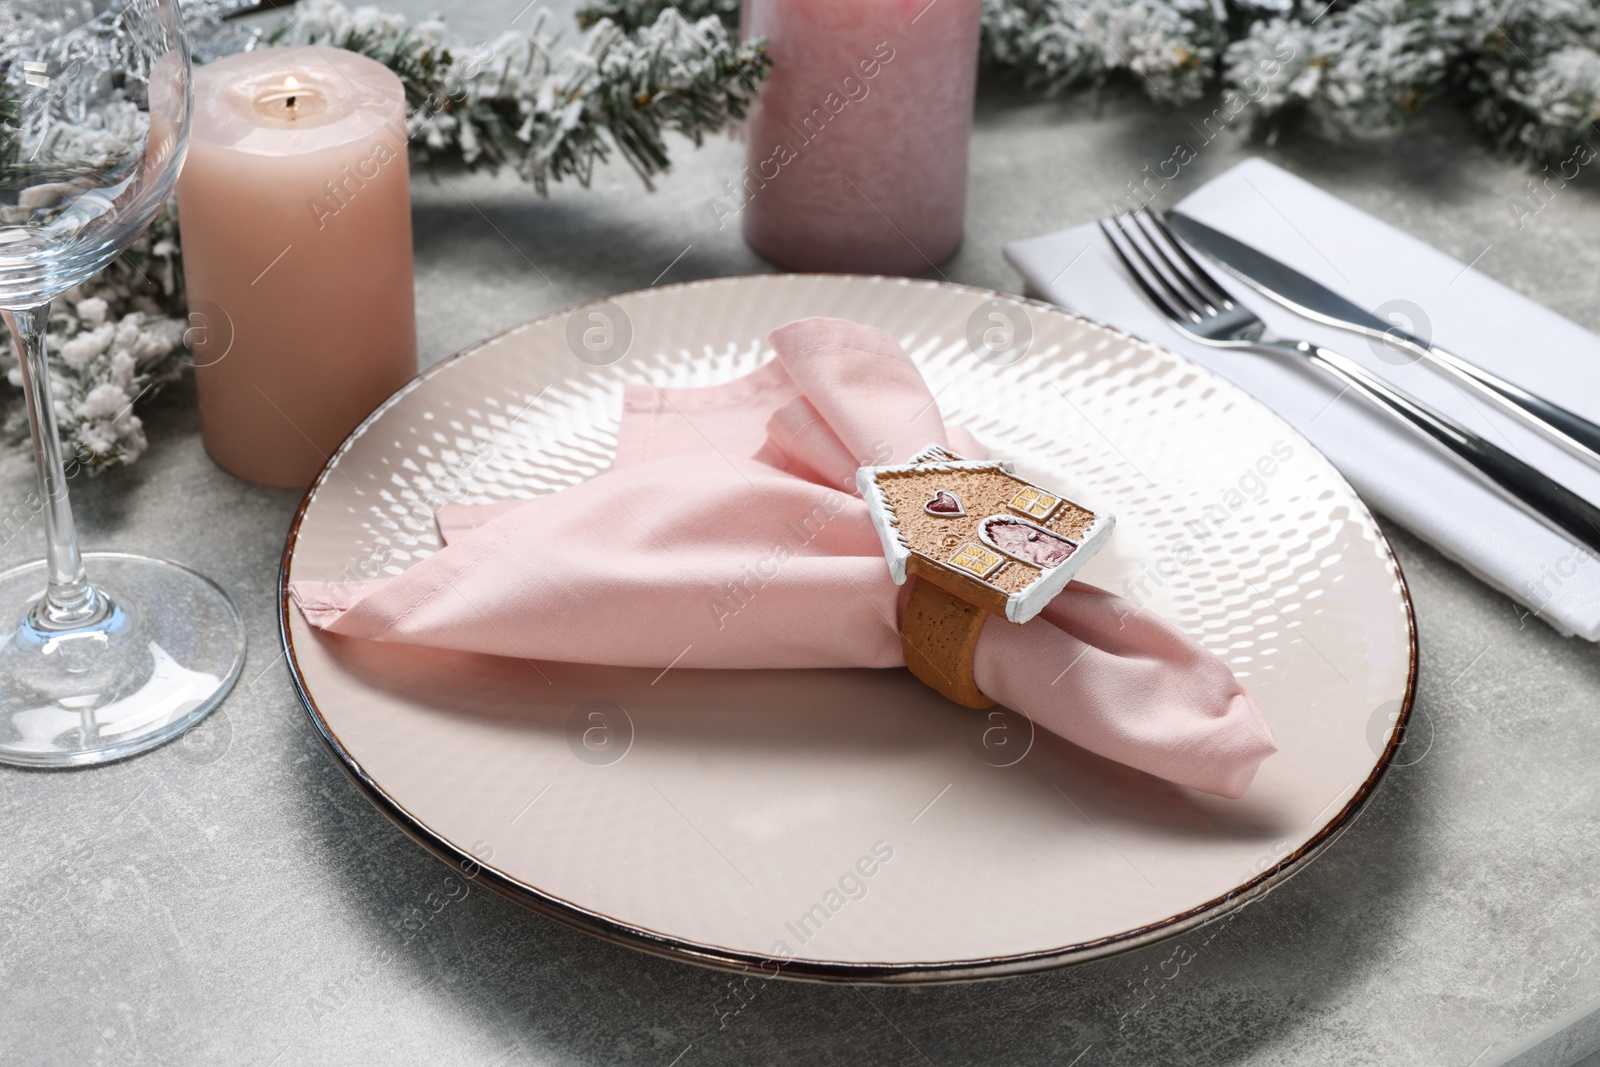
column 165, row 653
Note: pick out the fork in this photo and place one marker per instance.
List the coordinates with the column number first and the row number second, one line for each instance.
column 1200, row 309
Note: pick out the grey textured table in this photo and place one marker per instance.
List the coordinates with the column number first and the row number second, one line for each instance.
column 232, row 899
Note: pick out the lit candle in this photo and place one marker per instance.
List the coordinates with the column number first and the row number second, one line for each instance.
column 295, row 211
column 857, row 157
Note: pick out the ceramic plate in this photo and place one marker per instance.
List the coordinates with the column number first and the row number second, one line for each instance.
column 852, row 824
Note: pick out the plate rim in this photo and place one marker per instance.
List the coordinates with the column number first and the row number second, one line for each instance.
column 683, row 949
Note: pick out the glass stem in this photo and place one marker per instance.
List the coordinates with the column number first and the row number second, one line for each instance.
column 69, row 600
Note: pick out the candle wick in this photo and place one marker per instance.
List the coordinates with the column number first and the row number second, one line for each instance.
column 291, row 103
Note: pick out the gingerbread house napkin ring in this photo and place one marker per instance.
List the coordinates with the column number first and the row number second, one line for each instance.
column 974, row 539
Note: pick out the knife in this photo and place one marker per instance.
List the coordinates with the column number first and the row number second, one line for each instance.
column 1313, row 300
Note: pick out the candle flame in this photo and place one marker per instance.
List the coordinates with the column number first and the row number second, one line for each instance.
column 291, row 83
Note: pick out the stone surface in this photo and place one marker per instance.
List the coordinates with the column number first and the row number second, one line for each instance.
column 231, row 898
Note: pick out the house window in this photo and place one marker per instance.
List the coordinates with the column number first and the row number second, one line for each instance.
column 976, row 560
column 1034, row 503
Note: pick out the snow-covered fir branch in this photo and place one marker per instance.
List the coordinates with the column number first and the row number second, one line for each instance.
column 1527, row 70
column 1168, row 47
column 518, row 102
column 113, row 341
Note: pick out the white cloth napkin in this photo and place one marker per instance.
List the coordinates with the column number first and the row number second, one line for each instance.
column 1376, row 266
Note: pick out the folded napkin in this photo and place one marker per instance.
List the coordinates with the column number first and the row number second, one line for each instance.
column 728, row 535
column 1380, row 267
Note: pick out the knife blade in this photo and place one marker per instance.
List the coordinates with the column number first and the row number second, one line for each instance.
column 1313, row 300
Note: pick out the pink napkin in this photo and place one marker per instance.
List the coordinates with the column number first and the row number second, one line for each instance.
column 728, row 535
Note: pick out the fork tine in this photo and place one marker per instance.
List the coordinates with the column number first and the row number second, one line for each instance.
column 1185, row 284
column 1162, row 303
column 1207, row 280
column 1176, row 297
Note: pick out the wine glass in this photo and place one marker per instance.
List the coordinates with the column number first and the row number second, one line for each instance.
column 102, row 654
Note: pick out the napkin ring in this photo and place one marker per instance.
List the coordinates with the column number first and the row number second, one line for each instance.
column 980, row 540
column 938, row 635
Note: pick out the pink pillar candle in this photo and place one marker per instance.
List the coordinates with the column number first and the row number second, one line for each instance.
column 295, row 211
column 857, row 155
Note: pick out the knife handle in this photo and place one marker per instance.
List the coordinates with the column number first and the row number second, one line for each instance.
column 1577, row 433
column 1538, row 493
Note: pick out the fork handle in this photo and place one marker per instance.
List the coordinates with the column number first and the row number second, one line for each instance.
column 1575, row 432
column 1542, row 496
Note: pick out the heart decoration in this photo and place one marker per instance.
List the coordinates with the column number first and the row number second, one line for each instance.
column 944, row 502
